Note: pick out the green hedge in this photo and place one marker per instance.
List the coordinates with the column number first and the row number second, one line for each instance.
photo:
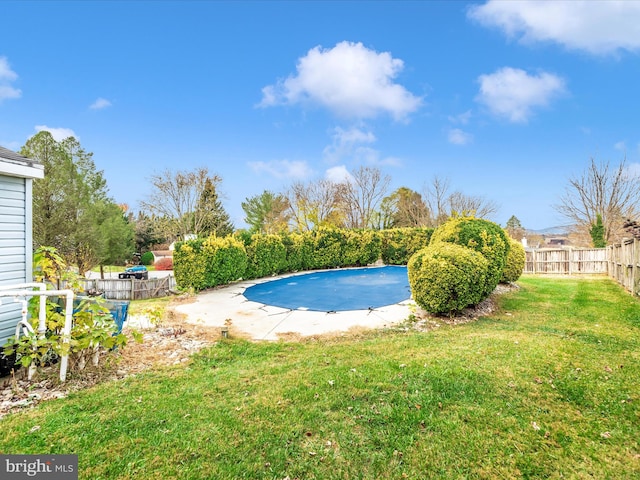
column 266, row 255
column 399, row 244
column 362, row 247
column 446, row 278
column 299, row 250
column 516, row 259
column 206, row 263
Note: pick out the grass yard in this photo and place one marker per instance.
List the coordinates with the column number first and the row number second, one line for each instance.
column 547, row 387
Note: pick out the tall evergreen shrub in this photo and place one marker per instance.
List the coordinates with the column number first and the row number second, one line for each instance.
column 483, row 236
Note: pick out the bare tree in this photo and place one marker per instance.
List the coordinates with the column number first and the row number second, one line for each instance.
column 314, row 204
column 361, row 195
column 478, row 206
column 443, row 204
column 436, row 196
column 612, row 193
column 176, row 198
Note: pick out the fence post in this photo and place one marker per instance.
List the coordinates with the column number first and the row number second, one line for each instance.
column 635, row 270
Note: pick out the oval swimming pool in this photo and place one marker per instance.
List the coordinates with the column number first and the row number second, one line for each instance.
column 335, row 290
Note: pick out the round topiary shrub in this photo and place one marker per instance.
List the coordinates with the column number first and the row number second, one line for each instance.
column 147, row 258
column 516, row 259
column 446, row 278
column 483, row 236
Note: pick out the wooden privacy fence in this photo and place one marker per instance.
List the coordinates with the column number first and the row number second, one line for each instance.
column 567, row 261
column 624, row 264
column 620, row 262
column 131, row 288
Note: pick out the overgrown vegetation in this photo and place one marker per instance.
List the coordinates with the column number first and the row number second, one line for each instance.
column 246, row 255
column 544, row 388
column 94, row 332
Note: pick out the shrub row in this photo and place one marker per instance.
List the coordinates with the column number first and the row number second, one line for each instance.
column 464, row 262
column 206, row 263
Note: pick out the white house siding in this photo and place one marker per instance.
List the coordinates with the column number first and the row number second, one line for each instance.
column 15, row 245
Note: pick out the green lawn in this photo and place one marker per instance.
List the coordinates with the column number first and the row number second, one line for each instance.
column 547, row 387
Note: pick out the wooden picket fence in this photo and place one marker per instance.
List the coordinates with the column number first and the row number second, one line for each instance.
column 624, row 264
column 567, row 261
column 619, row 261
column 131, row 288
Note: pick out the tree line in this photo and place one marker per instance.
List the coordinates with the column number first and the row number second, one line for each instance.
column 73, row 212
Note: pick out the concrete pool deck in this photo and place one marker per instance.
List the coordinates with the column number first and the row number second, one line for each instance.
column 265, row 322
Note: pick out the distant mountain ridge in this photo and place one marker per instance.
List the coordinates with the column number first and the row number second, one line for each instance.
column 557, row 230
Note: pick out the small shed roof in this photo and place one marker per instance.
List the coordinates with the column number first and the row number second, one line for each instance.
column 15, row 165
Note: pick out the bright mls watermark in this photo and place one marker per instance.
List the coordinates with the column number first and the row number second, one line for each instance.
column 46, row 467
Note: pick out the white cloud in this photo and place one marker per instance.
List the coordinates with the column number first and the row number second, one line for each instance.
column 58, row 134
column 459, row 137
column 513, row 93
column 352, row 145
column 462, row 118
column 349, row 79
column 598, row 27
column 7, row 76
column 338, row 174
column 621, row 145
column 345, row 143
column 100, row 103
column 287, row 169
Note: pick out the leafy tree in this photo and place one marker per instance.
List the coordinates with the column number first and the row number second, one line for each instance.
column 71, row 202
column 266, row 213
column 180, row 204
column 597, row 233
column 514, row 228
column 612, row 192
column 117, row 237
column 148, row 232
column 404, row 208
column 215, row 220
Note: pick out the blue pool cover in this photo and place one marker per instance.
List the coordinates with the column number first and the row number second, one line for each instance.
column 335, row 290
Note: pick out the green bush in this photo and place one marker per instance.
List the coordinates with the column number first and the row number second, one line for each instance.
column 516, row 259
column 147, row 258
column 266, row 255
column 328, row 245
column 226, row 260
column 205, row 263
column 189, row 265
column 483, row 236
column 399, row 244
column 299, row 248
column 446, row 278
column 362, row 247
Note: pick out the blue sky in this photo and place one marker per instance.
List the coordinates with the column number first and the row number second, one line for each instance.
column 507, row 100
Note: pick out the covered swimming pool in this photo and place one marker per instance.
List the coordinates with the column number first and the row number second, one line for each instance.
column 335, row 290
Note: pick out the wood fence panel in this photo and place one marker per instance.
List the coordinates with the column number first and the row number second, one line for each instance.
column 624, row 264
column 567, row 261
column 131, row 288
